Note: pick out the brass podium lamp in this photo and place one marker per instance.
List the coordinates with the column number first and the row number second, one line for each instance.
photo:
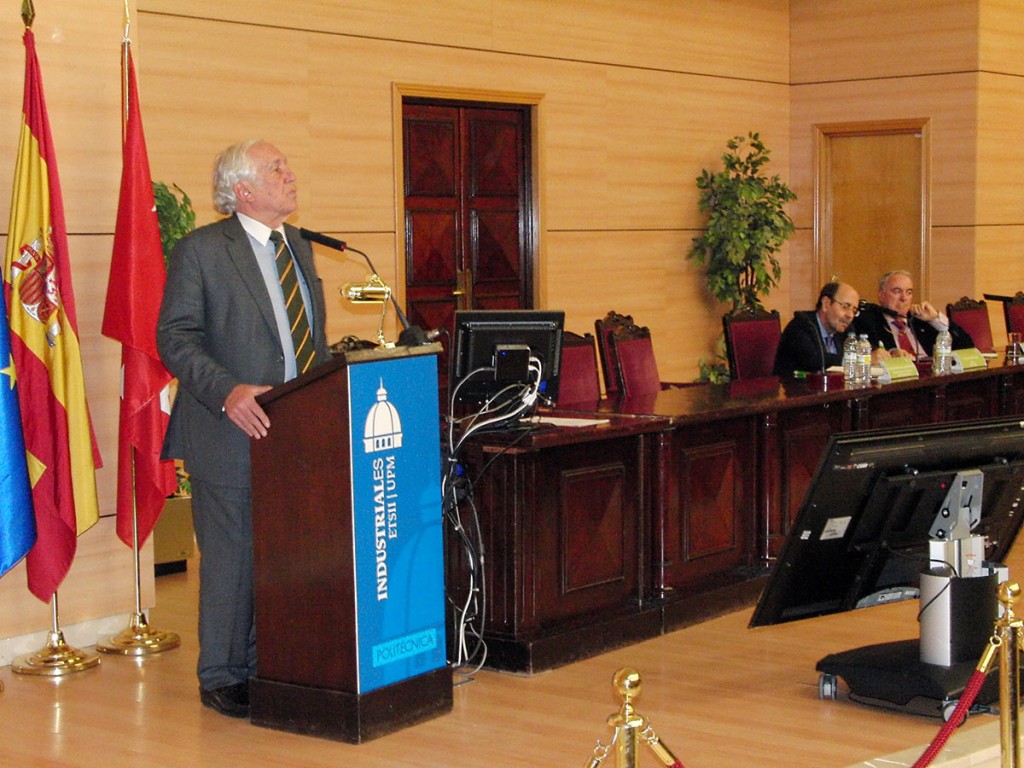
column 372, row 291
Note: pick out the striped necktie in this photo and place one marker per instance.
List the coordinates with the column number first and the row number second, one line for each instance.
column 293, row 303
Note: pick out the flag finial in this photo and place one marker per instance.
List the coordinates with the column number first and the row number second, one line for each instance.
column 28, row 12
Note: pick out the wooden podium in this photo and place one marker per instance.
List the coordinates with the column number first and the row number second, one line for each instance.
column 347, row 549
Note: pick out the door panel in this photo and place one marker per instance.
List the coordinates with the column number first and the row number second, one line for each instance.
column 873, row 207
column 466, row 201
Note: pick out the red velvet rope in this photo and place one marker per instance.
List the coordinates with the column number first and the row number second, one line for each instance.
column 958, row 716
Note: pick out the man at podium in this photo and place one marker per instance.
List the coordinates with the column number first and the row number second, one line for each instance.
column 243, row 310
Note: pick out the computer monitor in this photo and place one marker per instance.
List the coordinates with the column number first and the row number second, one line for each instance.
column 861, row 536
column 490, row 348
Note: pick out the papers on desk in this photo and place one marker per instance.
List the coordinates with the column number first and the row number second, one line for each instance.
column 566, row 421
column 877, row 371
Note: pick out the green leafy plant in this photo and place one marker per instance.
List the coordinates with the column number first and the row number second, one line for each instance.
column 747, row 224
column 176, row 218
column 715, row 369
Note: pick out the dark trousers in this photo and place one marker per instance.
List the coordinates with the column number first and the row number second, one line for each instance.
column 227, row 633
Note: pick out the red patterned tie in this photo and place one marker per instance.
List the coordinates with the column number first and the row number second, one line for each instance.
column 902, row 338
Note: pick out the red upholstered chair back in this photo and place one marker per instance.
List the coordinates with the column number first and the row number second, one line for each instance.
column 1013, row 312
column 637, row 368
column 609, row 325
column 578, row 380
column 972, row 316
column 751, row 338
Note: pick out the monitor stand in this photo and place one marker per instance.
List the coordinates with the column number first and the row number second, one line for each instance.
column 895, row 676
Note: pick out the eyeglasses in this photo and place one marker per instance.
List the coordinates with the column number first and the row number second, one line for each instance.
column 848, row 306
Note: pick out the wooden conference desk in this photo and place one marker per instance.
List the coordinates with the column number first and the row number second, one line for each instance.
column 670, row 512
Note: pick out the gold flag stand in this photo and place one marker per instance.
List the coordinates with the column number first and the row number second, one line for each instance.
column 138, row 638
column 56, row 657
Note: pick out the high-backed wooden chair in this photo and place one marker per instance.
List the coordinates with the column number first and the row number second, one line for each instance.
column 1013, row 310
column 578, row 380
column 606, row 327
column 751, row 339
column 972, row 316
column 636, row 367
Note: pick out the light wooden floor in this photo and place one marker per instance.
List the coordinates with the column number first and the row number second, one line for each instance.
column 718, row 694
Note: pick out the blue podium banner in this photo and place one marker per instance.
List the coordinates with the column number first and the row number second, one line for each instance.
column 396, row 504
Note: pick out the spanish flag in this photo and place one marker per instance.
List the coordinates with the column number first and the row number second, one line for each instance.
column 59, row 442
column 134, row 291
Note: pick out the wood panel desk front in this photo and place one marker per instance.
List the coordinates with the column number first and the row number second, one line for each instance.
column 673, row 511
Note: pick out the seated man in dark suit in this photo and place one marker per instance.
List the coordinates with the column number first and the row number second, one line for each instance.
column 813, row 341
column 897, row 327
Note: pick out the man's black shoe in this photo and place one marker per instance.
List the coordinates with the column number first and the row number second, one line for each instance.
column 230, row 700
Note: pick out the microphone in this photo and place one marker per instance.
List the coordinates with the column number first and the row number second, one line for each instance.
column 879, row 308
column 411, row 335
column 330, row 242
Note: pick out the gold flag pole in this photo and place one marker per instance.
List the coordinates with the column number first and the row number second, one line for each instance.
column 56, row 657
column 138, row 638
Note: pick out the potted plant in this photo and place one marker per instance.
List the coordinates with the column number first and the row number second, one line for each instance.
column 746, row 226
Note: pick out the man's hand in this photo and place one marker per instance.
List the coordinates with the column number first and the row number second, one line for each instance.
column 924, row 311
column 243, row 410
column 878, row 355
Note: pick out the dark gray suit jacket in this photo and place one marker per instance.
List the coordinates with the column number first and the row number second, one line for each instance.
column 217, row 330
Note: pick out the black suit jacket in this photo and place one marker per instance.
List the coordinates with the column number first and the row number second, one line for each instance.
column 217, row 330
column 872, row 322
column 801, row 347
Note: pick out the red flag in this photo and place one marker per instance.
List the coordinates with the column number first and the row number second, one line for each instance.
column 134, row 291
column 59, row 442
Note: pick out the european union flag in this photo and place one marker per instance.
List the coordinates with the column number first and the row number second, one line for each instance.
column 17, row 522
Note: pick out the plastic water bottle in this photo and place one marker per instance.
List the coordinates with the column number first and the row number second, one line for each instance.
column 850, row 360
column 863, row 360
column 943, row 354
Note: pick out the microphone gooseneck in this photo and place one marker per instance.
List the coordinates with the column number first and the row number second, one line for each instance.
column 879, row 308
column 411, row 335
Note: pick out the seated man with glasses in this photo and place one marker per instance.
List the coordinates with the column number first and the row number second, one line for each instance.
column 899, row 327
column 813, row 340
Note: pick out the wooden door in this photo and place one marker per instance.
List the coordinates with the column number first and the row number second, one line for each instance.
column 872, row 217
column 467, row 202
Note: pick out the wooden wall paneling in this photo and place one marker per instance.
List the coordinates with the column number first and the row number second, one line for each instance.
column 78, row 46
column 101, row 583
column 1001, row 27
column 857, row 39
column 199, row 104
column 660, row 34
column 999, row 268
column 588, row 183
column 952, row 268
column 949, row 102
column 645, row 274
column 1000, row 155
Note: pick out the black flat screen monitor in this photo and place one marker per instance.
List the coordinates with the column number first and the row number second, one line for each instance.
column 861, row 535
column 486, row 357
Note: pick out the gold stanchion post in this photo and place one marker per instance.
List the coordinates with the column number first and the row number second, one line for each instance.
column 630, row 726
column 1010, row 631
